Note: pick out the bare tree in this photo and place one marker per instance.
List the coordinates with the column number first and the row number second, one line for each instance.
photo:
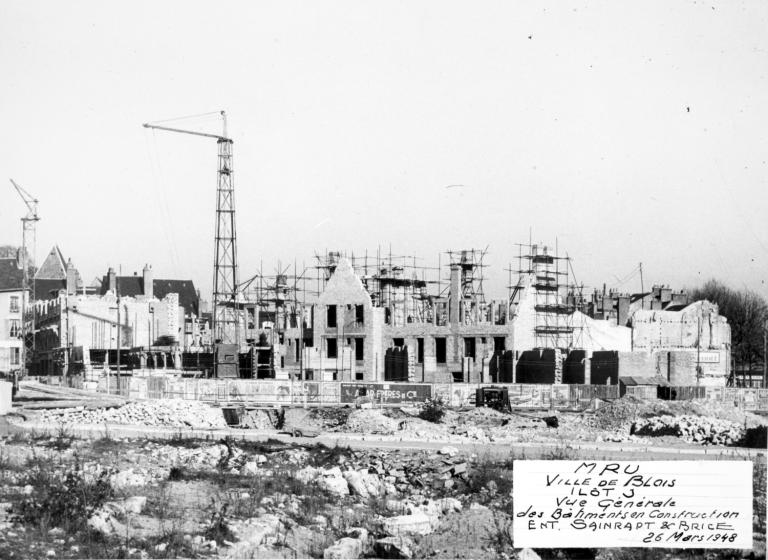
column 746, row 311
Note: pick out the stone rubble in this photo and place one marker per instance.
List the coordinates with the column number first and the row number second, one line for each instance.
column 176, row 413
column 253, row 534
column 692, row 429
column 354, row 545
column 394, row 547
column 371, row 421
column 375, row 473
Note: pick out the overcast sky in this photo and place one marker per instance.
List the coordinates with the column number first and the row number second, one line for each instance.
column 627, row 131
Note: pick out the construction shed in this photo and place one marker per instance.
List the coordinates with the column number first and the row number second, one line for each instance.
column 641, row 387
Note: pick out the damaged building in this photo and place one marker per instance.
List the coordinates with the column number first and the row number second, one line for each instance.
column 146, row 318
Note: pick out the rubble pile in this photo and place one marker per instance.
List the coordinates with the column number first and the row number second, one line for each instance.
column 483, row 417
column 329, row 418
column 373, row 473
column 616, row 416
column 370, row 421
column 208, row 457
column 257, row 420
column 174, row 413
column 693, row 429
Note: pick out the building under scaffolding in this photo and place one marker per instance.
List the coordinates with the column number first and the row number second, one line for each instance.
column 543, row 278
column 390, row 318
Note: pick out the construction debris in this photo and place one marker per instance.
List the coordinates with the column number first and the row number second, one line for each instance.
column 174, row 413
column 692, row 429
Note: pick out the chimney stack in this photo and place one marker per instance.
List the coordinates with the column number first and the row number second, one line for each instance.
column 454, row 311
column 148, row 286
column 71, row 279
column 112, row 280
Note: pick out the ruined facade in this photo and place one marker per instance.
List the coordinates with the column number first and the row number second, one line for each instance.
column 89, row 323
column 689, row 346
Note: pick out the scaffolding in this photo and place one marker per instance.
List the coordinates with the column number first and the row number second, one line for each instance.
column 396, row 283
column 277, row 298
column 546, row 275
column 474, row 309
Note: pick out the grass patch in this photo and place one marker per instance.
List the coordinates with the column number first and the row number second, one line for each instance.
column 491, row 480
column 179, row 439
column 218, row 530
column 560, row 453
column 265, row 447
column 61, row 497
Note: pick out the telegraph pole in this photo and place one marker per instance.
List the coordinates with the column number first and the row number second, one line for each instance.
column 119, row 328
column 765, row 354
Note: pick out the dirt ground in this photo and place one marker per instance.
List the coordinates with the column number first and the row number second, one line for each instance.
column 221, row 496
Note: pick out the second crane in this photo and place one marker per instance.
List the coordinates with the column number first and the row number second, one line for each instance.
column 226, row 312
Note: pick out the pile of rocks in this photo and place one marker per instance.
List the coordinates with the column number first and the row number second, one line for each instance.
column 374, row 473
column 175, row 413
column 418, row 518
column 693, row 429
column 615, row 416
column 370, row 421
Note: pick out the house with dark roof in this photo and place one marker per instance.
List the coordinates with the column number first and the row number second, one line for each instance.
column 12, row 302
column 57, row 274
column 147, row 314
column 146, row 285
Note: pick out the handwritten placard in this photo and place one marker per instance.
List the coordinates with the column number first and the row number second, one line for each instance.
column 669, row 504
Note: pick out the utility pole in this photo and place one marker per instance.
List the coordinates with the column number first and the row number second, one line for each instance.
column 119, row 328
column 226, row 312
column 698, row 350
column 642, row 288
column 764, row 384
column 27, row 239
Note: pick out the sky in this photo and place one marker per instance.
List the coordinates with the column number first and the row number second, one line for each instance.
column 624, row 132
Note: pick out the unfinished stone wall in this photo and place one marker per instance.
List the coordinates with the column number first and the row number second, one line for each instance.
column 642, row 364
column 690, row 367
column 524, row 320
column 698, row 325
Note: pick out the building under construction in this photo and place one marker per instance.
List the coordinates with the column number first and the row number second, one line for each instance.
column 388, row 318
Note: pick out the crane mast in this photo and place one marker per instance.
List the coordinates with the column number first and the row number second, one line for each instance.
column 28, row 289
column 226, row 312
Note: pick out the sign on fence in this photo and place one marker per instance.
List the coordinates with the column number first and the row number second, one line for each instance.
column 281, row 392
column 386, row 393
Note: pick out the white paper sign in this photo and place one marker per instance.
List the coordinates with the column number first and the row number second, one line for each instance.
column 669, row 504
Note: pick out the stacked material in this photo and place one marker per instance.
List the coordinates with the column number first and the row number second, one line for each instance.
column 166, row 412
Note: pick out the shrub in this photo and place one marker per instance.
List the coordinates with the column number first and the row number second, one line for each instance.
column 433, row 409
column 62, row 498
column 218, row 529
column 755, row 438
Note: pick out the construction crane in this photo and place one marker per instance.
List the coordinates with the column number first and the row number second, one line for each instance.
column 226, row 311
column 28, row 239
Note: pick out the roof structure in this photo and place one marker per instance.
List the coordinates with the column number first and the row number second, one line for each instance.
column 11, row 276
column 132, row 286
column 54, row 266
